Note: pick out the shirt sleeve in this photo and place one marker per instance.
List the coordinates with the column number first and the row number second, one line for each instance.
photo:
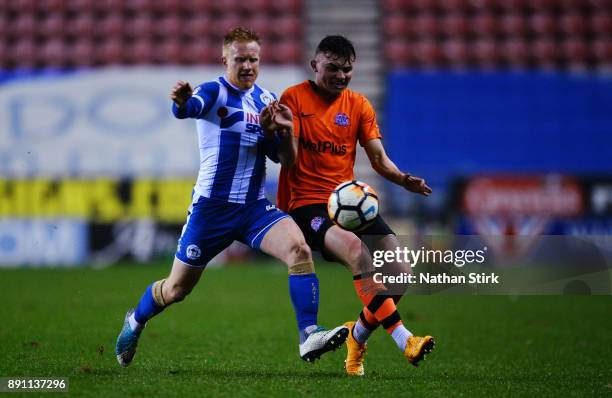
column 200, row 103
column 368, row 127
column 271, row 146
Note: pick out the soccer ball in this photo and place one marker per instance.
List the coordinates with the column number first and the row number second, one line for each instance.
column 353, row 205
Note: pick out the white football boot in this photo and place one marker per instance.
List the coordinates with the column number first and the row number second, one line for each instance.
column 321, row 341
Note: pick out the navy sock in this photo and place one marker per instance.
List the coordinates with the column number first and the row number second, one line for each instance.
column 147, row 307
column 304, row 292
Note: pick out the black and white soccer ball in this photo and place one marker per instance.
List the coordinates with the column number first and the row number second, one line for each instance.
column 353, row 205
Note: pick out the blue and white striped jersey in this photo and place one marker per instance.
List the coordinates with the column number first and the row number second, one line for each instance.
column 232, row 146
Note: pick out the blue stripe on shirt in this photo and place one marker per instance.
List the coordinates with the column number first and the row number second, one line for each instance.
column 259, row 171
column 210, row 93
column 233, row 96
column 229, row 148
column 256, row 95
column 232, row 119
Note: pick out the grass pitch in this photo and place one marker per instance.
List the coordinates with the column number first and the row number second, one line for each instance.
column 235, row 335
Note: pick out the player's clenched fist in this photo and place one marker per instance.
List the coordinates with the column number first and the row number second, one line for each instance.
column 283, row 118
column 266, row 121
column 181, row 92
column 276, row 117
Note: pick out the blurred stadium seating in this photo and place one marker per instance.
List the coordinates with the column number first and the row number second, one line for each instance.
column 564, row 34
column 461, row 73
column 38, row 34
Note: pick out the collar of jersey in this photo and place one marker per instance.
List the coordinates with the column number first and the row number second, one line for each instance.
column 230, row 86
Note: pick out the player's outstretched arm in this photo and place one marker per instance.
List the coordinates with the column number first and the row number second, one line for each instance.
column 385, row 167
column 183, row 106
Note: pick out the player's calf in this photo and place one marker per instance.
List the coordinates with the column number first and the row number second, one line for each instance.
column 285, row 241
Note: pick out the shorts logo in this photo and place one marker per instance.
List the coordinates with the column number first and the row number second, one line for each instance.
column 316, row 223
column 270, row 207
column 342, row 119
column 193, row 252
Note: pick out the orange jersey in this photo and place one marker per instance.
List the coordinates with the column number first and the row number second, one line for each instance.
column 327, row 133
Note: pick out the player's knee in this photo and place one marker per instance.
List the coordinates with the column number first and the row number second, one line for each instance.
column 391, row 243
column 302, row 251
column 401, row 268
column 299, row 260
column 175, row 293
column 297, row 251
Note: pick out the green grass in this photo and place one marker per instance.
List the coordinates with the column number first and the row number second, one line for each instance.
column 235, row 335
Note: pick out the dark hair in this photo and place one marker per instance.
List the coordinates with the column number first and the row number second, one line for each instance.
column 338, row 46
column 240, row 34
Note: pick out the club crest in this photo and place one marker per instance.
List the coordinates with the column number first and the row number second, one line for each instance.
column 266, row 98
column 193, row 252
column 342, row 119
column 316, row 223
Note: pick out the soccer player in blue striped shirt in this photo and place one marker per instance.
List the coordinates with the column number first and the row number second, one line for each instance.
column 228, row 201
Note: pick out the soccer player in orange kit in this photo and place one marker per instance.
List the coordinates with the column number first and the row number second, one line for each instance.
column 329, row 119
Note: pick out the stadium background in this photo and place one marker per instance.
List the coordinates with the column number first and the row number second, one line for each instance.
column 503, row 106
column 95, row 169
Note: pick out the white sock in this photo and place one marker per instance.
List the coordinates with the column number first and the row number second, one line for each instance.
column 136, row 327
column 361, row 333
column 310, row 329
column 400, row 334
column 306, row 331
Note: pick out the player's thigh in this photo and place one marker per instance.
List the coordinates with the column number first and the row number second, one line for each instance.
column 388, row 243
column 285, row 241
column 347, row 248
column 379, row 236
column 374, row 235
column 314, row 223
column 208, row 230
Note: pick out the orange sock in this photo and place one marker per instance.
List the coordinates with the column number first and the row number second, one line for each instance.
column 379, row 308
column 369, row 320
column 369, row 317
column 366, row 288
